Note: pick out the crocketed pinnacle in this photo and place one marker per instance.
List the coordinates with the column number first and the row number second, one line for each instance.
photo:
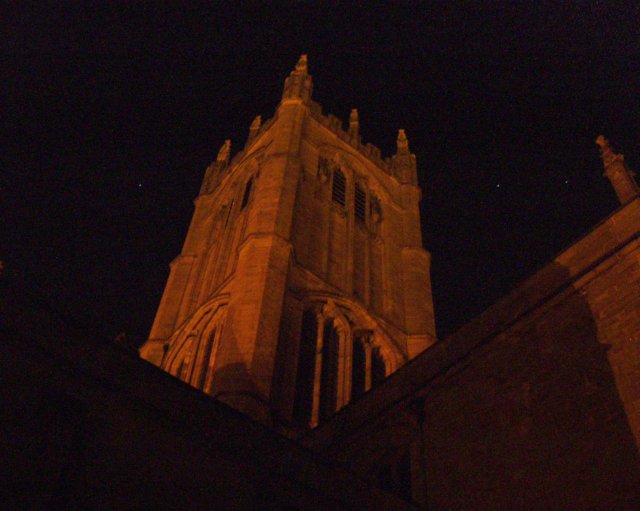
column 354, row 123
column 403, row 143
column 298, row 84
column 617, row 171
column 257, row 122
column 301, row 65
column 225, row 152
column 606, row 152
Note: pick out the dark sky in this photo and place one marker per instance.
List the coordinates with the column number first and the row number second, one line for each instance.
column 112, row 111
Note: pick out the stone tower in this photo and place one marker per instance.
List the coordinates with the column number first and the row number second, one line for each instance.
column 302, row 281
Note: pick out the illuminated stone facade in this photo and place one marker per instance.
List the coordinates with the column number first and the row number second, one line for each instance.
column 302, row 282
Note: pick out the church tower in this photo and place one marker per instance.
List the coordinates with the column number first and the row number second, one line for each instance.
column 302, row 282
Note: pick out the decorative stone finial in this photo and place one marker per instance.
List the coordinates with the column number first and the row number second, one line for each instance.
column 403, row 163
column 257, row 122
column 607, row 154
column 616, row 170
column 354, row 123
column 213, row 175
column 301, row 65
column 225, row 152
column 253, row 129
column 298, row 85
column 403, row 143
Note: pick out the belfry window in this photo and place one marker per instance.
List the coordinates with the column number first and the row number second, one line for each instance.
column 338, row 191
column 247, row 193
column 360, row 203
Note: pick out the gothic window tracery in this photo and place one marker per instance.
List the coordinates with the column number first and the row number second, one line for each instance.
column 336, row 363
column 191, row 354
column 184, row 365
column 206, row 365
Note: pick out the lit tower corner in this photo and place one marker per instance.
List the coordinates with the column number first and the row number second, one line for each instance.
column 302, row 282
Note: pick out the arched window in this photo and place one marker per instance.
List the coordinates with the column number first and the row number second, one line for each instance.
column 358, row 368
column 247, row 193
column 206, row 361
column 378, row 367
column 329, row 376
column 303, row 402
column 360, row 203
column 339, row 190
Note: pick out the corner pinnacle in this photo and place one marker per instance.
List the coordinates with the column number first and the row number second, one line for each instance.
column 256, row 123
column 402, row 142
column 298, row 85
column 301, row 65
column 225, row 152
column 620, row 175
column 606, row 152
column 354, row 123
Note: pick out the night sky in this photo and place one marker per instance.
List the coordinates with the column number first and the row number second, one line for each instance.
column 112, row 111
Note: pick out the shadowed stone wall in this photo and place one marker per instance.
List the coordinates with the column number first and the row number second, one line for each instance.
column 532, row 405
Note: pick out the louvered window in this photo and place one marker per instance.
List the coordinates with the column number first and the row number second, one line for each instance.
column 360, row 203
column 339, row 187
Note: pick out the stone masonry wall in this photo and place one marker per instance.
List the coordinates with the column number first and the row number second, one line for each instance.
column 532, row 405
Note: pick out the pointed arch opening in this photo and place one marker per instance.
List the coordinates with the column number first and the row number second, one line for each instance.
column 329, row 372
column 305, row 372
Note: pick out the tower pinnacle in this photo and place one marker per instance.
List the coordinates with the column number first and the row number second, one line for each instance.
column 301, row 65
column 354, row 124
column 254, row 128
column 403, row 162
column 403, row 143
column 298, row 85
column 616, row 170
column 224, row 153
